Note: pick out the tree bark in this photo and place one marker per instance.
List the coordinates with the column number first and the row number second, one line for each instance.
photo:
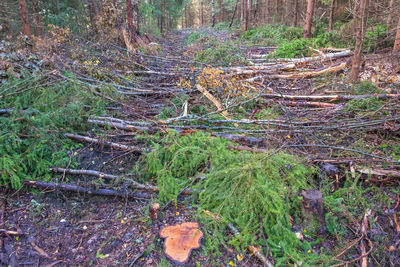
column 390, row 15
column 331, row 13
column 92, row 14
column 136, row 8
column 361, row 21
column 212, row 13
column 309, row 17
column 295, row 13
column 202, row 14
column 396, row 47
column 38, row 21
column 24, row 18
column 246, row 11
column 234, row 12
column 129, row 17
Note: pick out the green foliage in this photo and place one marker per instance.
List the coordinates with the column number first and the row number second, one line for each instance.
column 194, row 37
column 255, row 192
column 224, row 54
column 31, row 136
column 373, row 38
column 301, row 46
column 363, row 105
column 365, row 88
column 271, row 34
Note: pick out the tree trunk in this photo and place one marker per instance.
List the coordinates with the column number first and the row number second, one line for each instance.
column 92, row 14
column 24, row 18
column 361, row 21
column 201, row 13
column 309, row 17
column 390, row 15
column 129, row 17
column 267, row 13
column 136, row 8
column 295, row 13
column 234, row 12
column 396, row 47
column 246, row 11
column 38, row 21
column 212, row 13
column 331, row 12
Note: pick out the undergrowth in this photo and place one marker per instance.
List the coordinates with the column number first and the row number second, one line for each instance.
column 221, row 54
column 31, row 136
column 258, row 193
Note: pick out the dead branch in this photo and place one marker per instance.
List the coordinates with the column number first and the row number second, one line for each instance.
column 332, row 97
column 300, row 75
column 7, row 232
column 310, row 104
column 325, row 57
column 380, row 172
column 84, row 190
column 113, row 145
column 105, row 176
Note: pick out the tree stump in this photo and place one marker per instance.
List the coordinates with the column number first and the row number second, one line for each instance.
column 313, row 211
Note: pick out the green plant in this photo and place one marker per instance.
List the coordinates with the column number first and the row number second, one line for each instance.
column 194, row 37
column 31, row 137
column 224, row 54
column 255, row 192
column 374, row 37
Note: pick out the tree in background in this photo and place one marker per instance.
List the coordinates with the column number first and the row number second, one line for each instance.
column 309, row 17
column 26, row 28
column 361, row 17
column 396, row 47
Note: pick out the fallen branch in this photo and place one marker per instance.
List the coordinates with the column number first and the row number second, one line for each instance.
column 7, row 232
column 310, row 104
column 84, row 190
column 207, row 94
column 331, row 97
column 113, row 145
column 310, row 59
column 380, row 172
column 105, row 176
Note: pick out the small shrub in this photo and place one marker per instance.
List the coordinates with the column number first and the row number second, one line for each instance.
column 374, row 38
column 194, row 37
column 224, row 54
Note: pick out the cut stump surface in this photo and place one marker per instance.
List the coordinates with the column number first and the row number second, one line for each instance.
column 180, row 239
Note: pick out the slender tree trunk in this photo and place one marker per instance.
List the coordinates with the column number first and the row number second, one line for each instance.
column 136, row 8
column 38, row 21
column 92, row 14
column 309, row 17
column 24, row 18
column 390, row 15
column 212, row 13
column 234, row 12
column 396, row 47
column 201, row 13
column 331, row 12
column 129, row 17
column 267, row 13
column 295, row 13
column 361, row 21
column 162, row 26
column 246, row 14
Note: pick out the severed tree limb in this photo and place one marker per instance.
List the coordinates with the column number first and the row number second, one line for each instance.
column 380, row 172
column 113, row 145
column 300, row 75
column 7, row 232
column 331, row 97
column 80, row 189
column 329, row 56
column 105, row 176
column 310, row 104
column 207, row 94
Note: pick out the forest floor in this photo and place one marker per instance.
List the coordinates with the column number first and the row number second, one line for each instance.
column 73, row 229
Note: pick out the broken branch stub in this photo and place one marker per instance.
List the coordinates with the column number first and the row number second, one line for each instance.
column 180, row 240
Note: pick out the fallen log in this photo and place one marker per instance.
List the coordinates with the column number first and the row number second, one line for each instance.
column 105, row 176
column 119, row 125
column 84, row 190
column 310, row 59
column 301, row 75
column 331, row 97
column 310, row 104
column 380, row 172
column 113, row 145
